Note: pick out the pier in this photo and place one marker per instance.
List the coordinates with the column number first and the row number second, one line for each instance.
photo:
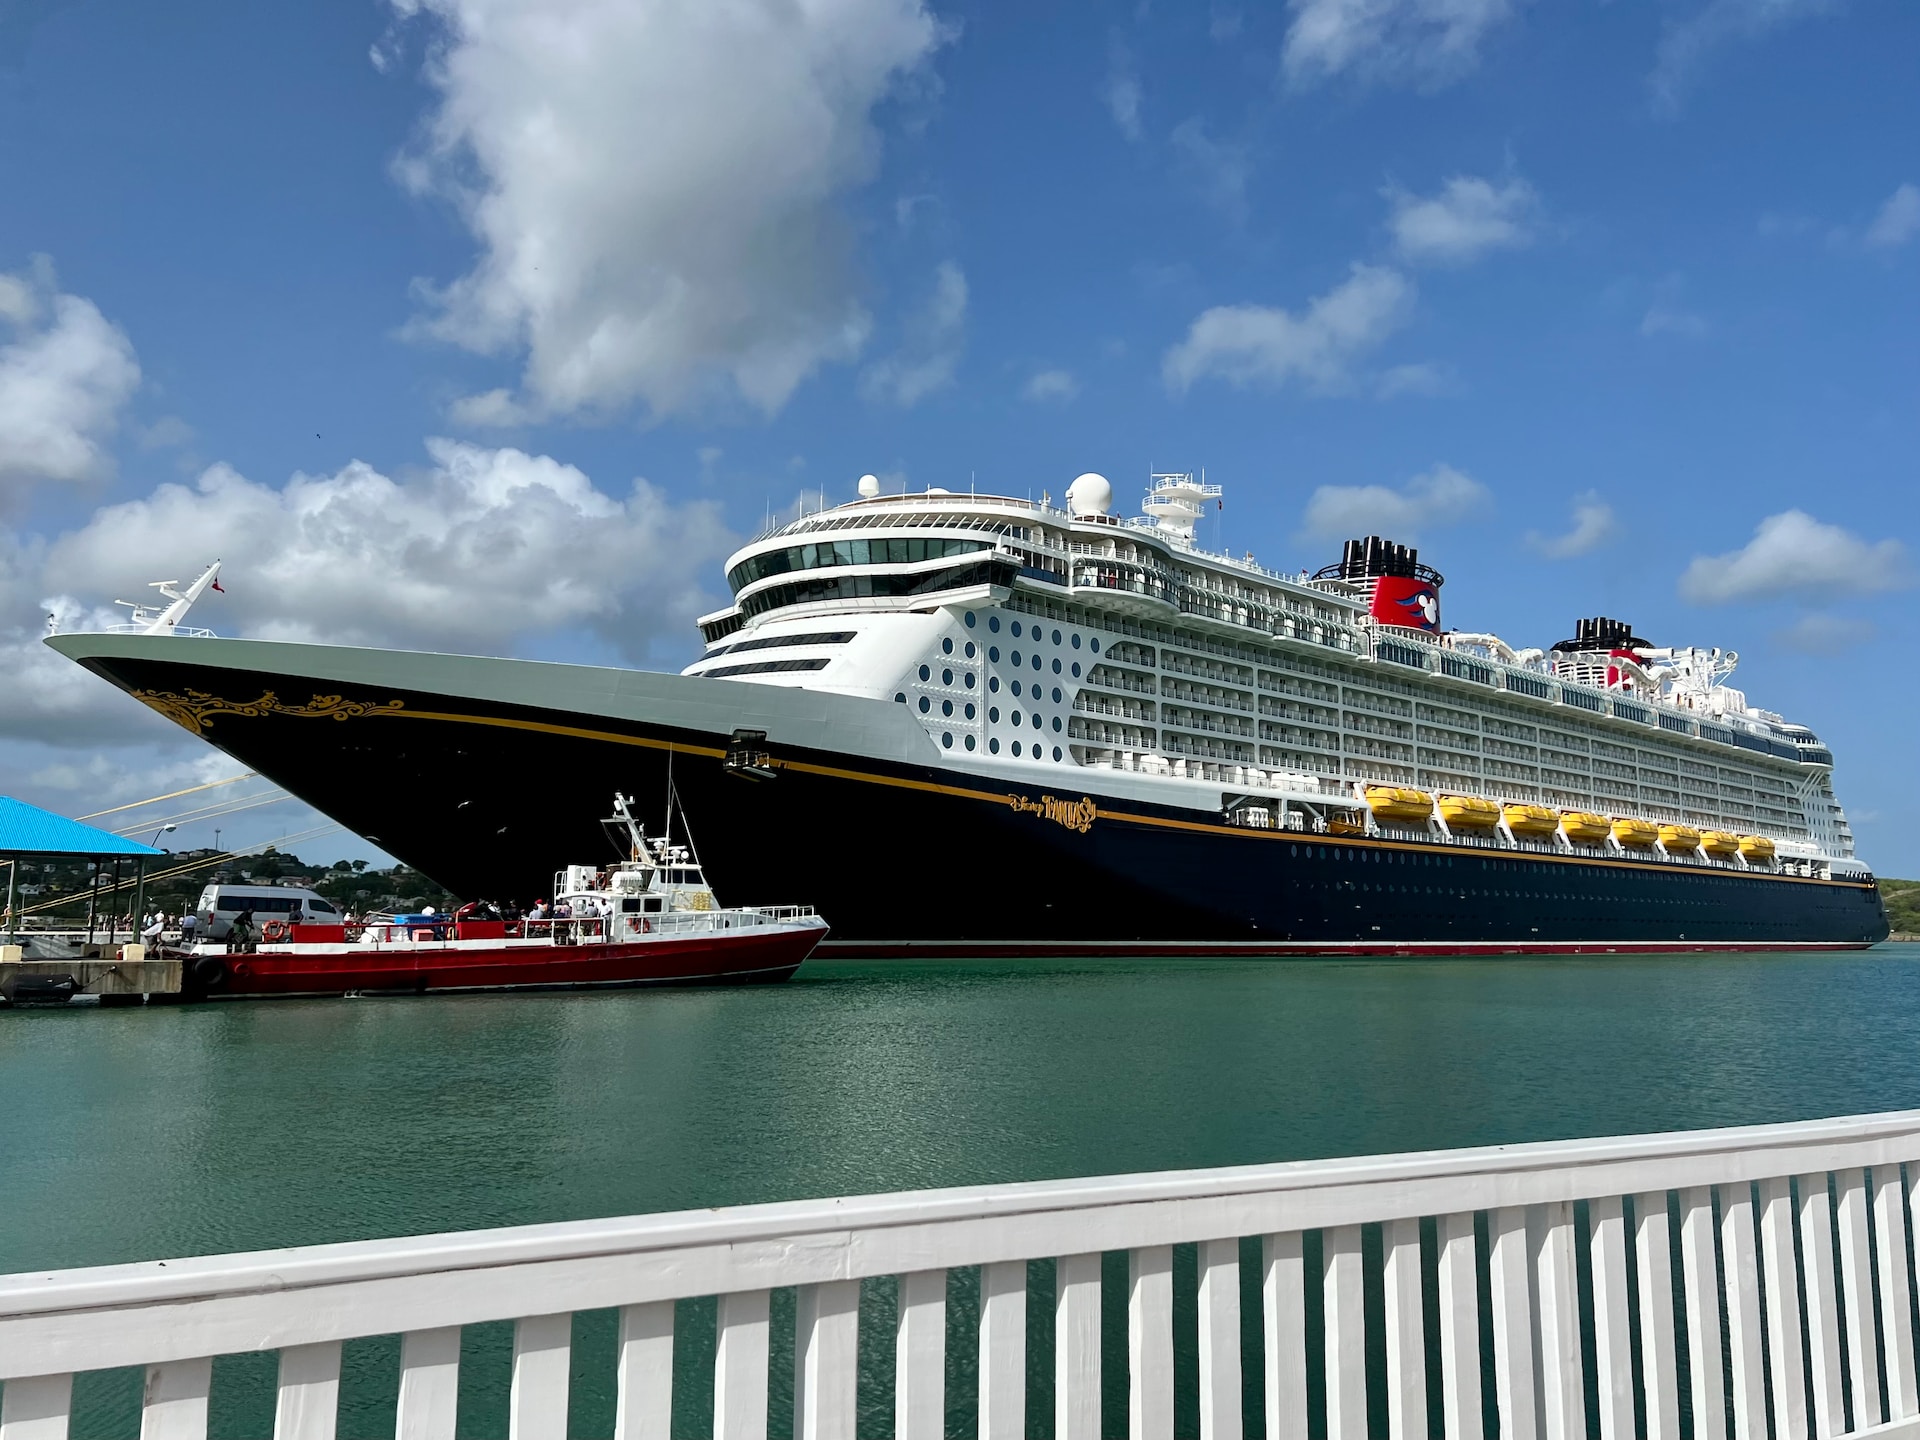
column 1786, row 1248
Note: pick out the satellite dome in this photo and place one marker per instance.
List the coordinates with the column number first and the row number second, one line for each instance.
column 1091, row 494
column 869, row 486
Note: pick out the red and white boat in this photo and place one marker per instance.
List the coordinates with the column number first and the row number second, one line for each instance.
column 648, row 920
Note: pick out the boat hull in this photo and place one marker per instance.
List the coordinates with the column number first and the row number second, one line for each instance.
column 480, row 779
column 760, row 956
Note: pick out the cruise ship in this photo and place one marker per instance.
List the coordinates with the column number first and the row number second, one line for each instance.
column 967, row 724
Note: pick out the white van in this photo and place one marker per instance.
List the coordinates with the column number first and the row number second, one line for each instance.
column 220, row 904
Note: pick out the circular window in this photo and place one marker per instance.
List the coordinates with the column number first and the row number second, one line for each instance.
column 1036, row 753
column 901, row 696
column 1036, row 662
column 1094, row 645
column 1016, row 687
column 1016, row 717
column 925, row 673
column 969, row 742
column 993, row 684
column 946, row 645
column 993, row 747
column 1056, row 752
column 925, row 705
column 972, row 679
column 1015, row 657
column 993, row 653
column 993, row 714
column 993, row 623
column 1056, row 637
column 1036, row 722
column 947, row 740
column 1016, row 747
column 1056, row 665
column 1056, row 694
column 1076, row 669
column 1076, row 638
column 1056, row 728
column 971, row 711
column 946, row 677
column 946, row 707
column 1016, row 629
column 972, row 650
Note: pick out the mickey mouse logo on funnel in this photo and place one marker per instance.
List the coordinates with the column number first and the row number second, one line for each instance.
column 1406, row 600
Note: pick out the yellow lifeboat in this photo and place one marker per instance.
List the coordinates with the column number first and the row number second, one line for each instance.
column 1679, row 839
column 1583, row 827
column 1756, row 848
column 1398, row 804
column 1719, row 842
column 1469, row 812
column 1345, row 822
column 1635, row 834
column 1532, row 820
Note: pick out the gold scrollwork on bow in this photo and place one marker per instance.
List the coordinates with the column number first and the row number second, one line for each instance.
column 196, row 710
column 1074, row 814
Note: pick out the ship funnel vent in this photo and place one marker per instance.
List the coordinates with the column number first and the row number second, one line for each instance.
column 1399, row 590
column 1599, row 632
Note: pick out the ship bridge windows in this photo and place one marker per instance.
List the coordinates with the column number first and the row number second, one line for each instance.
column 876, row 586
column 827, row 554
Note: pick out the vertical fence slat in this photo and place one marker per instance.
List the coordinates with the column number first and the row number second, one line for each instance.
column 36, row 1407
column 1786, row 1354
column 1856, row 1282
column 643, row 1373
column 1896, row 1287
column 1219, row 1305
column 173, row 1401
column 1823, row 1308
column 1459, row 1329
column 1346, row 1333
column 542, row 1366
column 1550, row 1238
column 1613, row 1342
column 1150, row 1343
column 1076, row 1348
column 429, row 1405
column 1704, row 1354
column 308, row 1404
column 826, row 1359
column 1406, row 1333
column 1743, row 1312
column 920, row 1357
column 1003, row 1350
column 740, row 1366
column 1283, row 1305
column 1515, row 1384
column 1653, row 1257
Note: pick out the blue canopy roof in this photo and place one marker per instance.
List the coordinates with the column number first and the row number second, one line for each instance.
column 28, row 830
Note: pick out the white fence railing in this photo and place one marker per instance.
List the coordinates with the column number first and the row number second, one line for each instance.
column 1727, row 1276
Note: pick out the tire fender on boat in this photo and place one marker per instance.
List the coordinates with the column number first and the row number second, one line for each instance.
column 210, row 971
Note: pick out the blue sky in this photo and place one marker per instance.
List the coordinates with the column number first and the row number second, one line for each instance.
column 493, row 325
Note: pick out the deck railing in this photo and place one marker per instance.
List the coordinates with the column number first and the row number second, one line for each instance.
column 1726, row 1274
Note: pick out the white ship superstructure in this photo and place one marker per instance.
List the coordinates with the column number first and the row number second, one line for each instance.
column 1030, row 634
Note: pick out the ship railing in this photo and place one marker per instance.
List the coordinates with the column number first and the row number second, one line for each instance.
column 1560, row 1289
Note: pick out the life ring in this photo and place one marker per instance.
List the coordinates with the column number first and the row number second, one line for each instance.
column 275, row 930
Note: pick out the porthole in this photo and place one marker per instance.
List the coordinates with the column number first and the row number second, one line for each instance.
column 993, row 714
column 1056, row 694
column 946, row 677
column 1036, row 721
column 1017, row 717
column 1076, row 642
column 993, row 684
column 971, row 710
column 1016, row 749
column 993, row 653
column 993, row 623
column 993, row 747
column 926, row 673
column 1015, row 628
column 947, row 740
column 1036, row 751
column 1036, row 662
column 970, row 742
column 969, row 624
column 946, row 707
column 1056, row 664
column 946, row 645
column 901, row 696
column 1056, row 637
column 1056, row 725
column 925, row 705
column 1093, row 645
column 1056, row 752
column 1015, row 657
column 972, row 679
column 1016, row 688
column 972, row 650
column 1076, row 669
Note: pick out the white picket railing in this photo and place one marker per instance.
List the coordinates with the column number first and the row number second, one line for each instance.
column 1808, row 1223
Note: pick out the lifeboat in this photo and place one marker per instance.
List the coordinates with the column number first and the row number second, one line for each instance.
column 1635, row 834
column 1345, row 822
column 1719, row 842
column 1531, row 820
column 1583, row 827
column 1679, row 839
column 1398, row 804
column 1469, row 812
column 1757, row 848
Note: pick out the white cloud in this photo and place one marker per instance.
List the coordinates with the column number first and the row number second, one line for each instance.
column 1057, row 385
column 1257, row 344
column 1122, row 89
column 1824, row 634
column 1441, row 497
column 935, row 337
column 1898, row 220
column 1687, row 43
column 1218, row 170
column 1667, row 315
column 1426, row 43
column 65, row 373
column 656, row 190
column 1594, row 525
column 1794, row 554
column 1467, row 219
column 1422, row 377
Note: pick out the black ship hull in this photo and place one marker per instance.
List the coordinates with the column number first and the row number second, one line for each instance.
column 484, row 795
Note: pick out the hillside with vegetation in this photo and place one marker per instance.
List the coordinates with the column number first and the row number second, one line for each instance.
column 1903, row 905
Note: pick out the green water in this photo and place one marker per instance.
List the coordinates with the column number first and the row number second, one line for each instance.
column 136, row 1134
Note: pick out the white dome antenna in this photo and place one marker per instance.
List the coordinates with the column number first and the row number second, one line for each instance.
column 1091, row 494
column 869, row 486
